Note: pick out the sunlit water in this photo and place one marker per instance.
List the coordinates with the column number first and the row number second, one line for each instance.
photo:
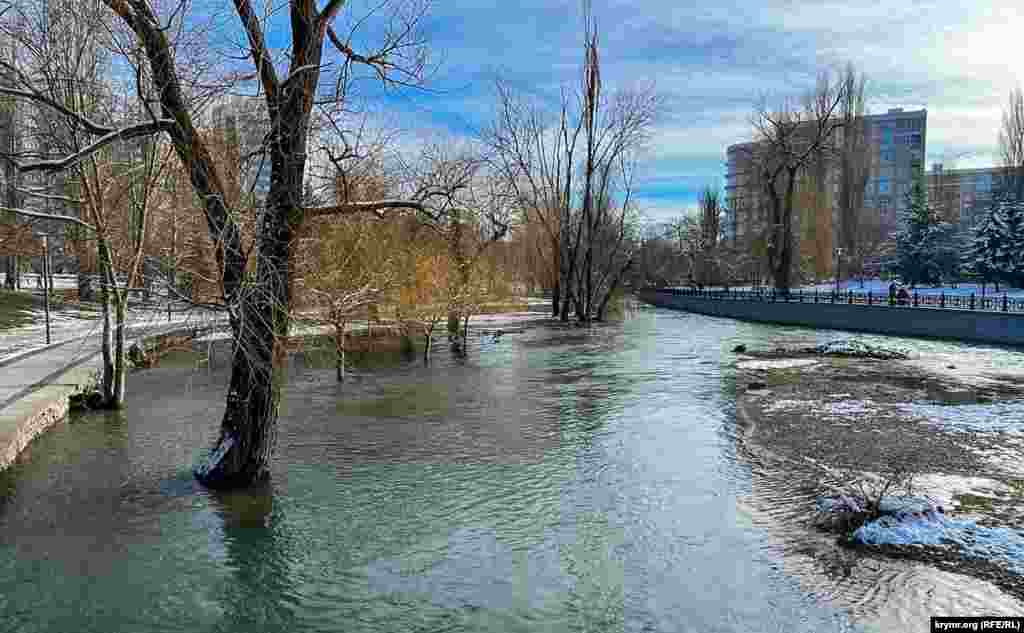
column 557, row 479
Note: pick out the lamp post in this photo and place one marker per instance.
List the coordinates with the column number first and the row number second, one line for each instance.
column 46, row 285
column 839, row 262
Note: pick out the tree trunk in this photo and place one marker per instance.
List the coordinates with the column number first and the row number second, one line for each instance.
column 784, row 259
column 248, row 430
column 107, row 347
column 120, row 366
column 602, row 309
column 339, row 351
column 11, row 268
column 428, row 332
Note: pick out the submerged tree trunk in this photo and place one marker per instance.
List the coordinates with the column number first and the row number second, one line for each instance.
column 428, row 332
column 259, row 324
column 11, row 268
column 117, row 390
column 107, row 347
column 339, row 351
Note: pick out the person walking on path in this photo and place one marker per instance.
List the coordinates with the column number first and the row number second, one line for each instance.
column 892, row 293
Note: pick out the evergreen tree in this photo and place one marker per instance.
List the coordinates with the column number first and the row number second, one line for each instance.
column 925, row 249
column 1007, row 258
column 987, row 241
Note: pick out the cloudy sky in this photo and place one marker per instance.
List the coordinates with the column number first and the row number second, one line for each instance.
column 711, row 63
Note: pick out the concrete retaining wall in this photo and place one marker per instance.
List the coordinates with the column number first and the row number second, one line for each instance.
column 964, row 325
column 39, row 409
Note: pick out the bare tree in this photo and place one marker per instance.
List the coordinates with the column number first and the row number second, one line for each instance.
column 854, row 164
column 474, row 215
column 1011, row 140
column 64, row 63
column 790, row 139
column 710, row 220
column 294, row 85
column 573, row 173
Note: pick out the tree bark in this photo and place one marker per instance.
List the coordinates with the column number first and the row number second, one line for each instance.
column 118, row 388
column 107, row 348
column 12, row 280
column 249, row 428
column 339, row 351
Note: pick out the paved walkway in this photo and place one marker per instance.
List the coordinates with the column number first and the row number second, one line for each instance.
column 36, row 380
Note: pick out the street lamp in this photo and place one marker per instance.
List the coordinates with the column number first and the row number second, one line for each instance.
column 839, row 262
column 46, row 285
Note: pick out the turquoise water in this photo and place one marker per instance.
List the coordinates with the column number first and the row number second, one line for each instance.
column 557, row 479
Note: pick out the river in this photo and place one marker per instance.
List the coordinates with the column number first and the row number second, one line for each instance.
column 555, row 479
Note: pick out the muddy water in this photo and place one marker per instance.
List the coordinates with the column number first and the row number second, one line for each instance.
column 555, row 479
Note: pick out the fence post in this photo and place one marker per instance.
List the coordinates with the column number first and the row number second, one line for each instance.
column 869, row 297
column 915, row 299
column 942, row 300
column 1004, row 302
column 815, row 295
column 972, row 301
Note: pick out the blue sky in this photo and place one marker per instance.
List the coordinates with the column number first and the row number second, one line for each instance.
column 711, row 63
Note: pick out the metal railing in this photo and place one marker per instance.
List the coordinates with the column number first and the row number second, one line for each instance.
column 941, row 301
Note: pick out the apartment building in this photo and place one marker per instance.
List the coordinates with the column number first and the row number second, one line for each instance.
column 962, row 196
column 897, row 149
column 894, row 157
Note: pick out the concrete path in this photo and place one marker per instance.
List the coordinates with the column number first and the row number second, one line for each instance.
column 36, row 383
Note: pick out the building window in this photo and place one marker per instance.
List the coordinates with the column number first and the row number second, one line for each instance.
column 883, row 185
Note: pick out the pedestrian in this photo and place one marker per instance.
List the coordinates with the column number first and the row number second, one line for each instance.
column 892, row 293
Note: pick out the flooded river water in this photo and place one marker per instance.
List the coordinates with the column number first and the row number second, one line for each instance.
column 556, row 479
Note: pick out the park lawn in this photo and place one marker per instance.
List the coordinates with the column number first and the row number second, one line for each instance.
column 18, row 308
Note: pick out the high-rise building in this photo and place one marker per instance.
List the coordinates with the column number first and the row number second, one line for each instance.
column 894, row 156
column 896, row 142
column 245, row 125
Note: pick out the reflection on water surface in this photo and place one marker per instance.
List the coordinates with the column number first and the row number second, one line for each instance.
column 559, row 479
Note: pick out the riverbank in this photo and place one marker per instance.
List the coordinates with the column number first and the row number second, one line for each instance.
column 953, row 424
column 1000, row 323
column 36, row 387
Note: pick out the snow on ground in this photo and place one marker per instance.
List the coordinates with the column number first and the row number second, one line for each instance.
column 838, row 409
column 972, row 365
column 922, row 520
column 998, row 544
column 1005, row 417
column 70, row 323
column 782, row 363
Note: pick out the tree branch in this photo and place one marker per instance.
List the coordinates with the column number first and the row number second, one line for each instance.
column 90, row 126
column 330, row 11
column 124, row 134
column 258, row 48
column 46, row 196
column 49, row 216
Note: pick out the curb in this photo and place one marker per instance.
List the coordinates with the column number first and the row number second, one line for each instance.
column 10, row 360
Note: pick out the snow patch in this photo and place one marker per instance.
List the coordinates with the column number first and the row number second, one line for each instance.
column 782, row 363
column 997, row 544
